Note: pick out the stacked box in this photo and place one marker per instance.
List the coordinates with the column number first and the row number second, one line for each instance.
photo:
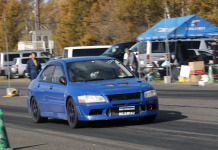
column 196, row 70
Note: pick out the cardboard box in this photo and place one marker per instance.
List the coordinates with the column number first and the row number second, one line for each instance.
column 194, row 78
column 196, row 67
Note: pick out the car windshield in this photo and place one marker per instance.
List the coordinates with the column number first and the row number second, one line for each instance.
column 210, row 43
column 93, row 70
column 46, row 54
column 43, row 60
column 118, row 48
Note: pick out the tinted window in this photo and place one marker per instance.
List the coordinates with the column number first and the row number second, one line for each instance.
column 191, row 44
column 26, row 54
column 57, row 74
column 47, row 54
column 142, row 47
column 134, row 48
column 158, row 47
column 11, row 56
column 24, row 61
column 88, row 52
column 172, row 46
column 43, row 60
column 97, row 70
column 209, row 44
column 65, row 53
column 191, row 53
column 118, row 48
column 47, row 74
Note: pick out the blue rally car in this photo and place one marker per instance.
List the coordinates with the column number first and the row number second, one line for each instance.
column 90, row 88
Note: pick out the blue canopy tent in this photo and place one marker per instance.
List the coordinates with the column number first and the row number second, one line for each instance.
column 191, row 26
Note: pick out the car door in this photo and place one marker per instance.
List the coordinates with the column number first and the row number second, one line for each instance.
column 44, row 84
column 56, row 97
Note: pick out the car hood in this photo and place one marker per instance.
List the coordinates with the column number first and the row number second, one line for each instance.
column 111, row 87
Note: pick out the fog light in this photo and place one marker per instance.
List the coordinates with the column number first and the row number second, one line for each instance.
column 150, row 107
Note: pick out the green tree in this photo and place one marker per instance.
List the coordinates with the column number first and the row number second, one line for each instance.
column 12, row 12
column 70, row 18
column 112, row 21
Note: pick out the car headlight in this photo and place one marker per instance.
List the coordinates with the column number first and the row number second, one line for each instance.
column 90, row 99
column 150, row 93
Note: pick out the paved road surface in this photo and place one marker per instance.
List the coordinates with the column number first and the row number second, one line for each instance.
column 188, row 120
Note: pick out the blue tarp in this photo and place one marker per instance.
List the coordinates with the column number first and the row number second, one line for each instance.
column 191, row 26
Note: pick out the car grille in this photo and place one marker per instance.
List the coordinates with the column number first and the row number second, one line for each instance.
column 124, row 96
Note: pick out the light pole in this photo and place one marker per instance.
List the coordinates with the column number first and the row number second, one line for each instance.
column 6, row 45
column 38, row 14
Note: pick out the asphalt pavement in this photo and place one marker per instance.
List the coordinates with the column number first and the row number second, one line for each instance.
column 188, row 120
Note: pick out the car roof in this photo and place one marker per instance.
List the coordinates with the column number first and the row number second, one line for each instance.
column 88, row 47
column 76, row 59
column 124, row 42
column 29, row 57
column 19, row 52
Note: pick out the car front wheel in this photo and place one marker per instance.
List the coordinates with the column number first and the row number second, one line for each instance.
column 35, row 111
column 72, row 115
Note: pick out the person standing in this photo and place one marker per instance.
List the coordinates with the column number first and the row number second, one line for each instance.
column 33, row 66
column 131, row 61
column 181, row 54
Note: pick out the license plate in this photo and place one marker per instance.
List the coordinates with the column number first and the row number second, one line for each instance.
column 127, row 110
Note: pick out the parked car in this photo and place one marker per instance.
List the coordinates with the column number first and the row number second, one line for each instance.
column 11, row 55
column 150, row 51
column 197, row 55
column 80, row 51
column 90, row 88
column 117, row 50
column 57, row 57
column 18, row 69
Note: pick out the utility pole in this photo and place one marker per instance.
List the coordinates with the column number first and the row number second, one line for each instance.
column 6, row 45
column 183, row 12
column 38, row 14
column 167, row 12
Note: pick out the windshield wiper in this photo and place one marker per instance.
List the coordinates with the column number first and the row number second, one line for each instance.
column 94, row 79
column 127, row 77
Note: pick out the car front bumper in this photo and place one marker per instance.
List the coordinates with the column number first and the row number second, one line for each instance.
column 111, row 110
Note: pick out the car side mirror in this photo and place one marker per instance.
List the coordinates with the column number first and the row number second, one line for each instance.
column 63, row 80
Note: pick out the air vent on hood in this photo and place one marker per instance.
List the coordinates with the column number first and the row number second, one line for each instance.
column 109, row 85
column 121, row 84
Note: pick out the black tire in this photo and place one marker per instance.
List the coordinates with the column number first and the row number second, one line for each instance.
column 35, row 111
column 72, row 116
column 147, row 119
column 24, row 74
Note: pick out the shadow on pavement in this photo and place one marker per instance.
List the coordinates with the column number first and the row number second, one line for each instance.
column 25, row 147
column 163, row 116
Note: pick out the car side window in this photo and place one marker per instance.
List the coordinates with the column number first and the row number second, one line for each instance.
column 65, row 53
column 47, row 74
column 191, row 53
column 58, row 72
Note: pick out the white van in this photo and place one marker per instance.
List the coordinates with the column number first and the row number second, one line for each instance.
column 19, row 65
column 80, row 51
column 150, row 51
column 11, row 55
